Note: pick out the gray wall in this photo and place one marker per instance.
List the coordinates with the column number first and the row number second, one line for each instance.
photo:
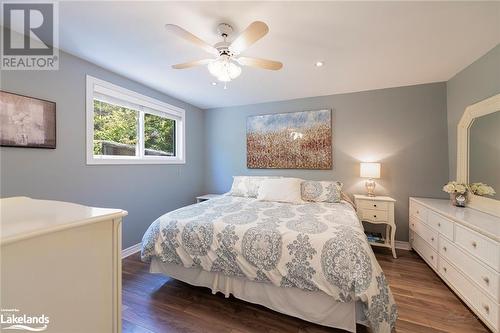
column 478, row 81
column 145, row 191
column 403, row 128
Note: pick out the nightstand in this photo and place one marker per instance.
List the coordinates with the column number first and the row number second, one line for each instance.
column 378, row 210
column 206, row 197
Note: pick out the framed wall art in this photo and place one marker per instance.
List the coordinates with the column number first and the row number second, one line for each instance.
column 295, row 140
column 27, row 122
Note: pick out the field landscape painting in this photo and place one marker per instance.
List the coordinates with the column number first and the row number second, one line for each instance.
column 295, row 140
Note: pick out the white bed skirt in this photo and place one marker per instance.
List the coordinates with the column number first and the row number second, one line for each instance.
column 316, row 307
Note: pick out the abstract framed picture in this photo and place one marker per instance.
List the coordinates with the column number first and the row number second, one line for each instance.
column 295, row 140
column 27, row 122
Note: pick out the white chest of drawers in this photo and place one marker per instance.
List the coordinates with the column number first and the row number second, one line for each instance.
column 463, row 246
column 62, row 261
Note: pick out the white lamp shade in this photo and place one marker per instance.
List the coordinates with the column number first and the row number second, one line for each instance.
column 369, row 170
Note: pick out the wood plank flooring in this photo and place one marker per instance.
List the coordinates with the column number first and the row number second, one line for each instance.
column 153, row 303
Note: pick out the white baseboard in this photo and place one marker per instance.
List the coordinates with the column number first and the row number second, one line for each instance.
column 402, row 245
column 131, row 250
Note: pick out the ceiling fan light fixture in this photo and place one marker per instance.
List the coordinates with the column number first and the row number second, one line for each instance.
column 224, row 69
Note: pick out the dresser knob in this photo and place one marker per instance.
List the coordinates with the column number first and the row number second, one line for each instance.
column 418, row 212
column 413, row 224
column 432, row 239
column 432, row 257
column 486, row 280
column 374, row 205
column 486, row 308
column 474, row 244
column 444, row 248
column 439, row 224
column 445, row 269
column 374, row 215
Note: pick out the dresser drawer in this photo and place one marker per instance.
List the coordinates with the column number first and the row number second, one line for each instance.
column 426, row 233
column 374, row 215
column 374, row 205
column 483, row 305
column 418, row 211
column 441, row 224
column 481, row 247
column 486, row 278
column 425, row 251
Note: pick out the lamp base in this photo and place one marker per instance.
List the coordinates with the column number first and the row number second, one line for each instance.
column 370, row 187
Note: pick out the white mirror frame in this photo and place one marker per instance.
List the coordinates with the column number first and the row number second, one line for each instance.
column 472, row 112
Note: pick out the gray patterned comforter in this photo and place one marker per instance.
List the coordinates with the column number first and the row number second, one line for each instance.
column 313, row 246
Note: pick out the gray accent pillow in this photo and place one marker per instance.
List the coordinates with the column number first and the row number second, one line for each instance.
column 321, row 191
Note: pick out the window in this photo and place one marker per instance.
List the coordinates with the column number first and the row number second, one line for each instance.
column 124, row 127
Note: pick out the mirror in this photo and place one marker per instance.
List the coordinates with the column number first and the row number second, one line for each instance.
column 478, row 151
column 484, row 151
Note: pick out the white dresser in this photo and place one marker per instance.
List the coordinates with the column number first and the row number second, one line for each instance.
column 463, row 246
column 61, row 261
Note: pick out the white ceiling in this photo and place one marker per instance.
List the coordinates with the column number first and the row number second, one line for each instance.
column 365, row 45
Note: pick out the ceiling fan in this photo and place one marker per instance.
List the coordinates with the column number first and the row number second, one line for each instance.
column 225, row 66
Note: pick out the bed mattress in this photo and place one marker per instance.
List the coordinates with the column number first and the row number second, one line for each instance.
column 313, row 247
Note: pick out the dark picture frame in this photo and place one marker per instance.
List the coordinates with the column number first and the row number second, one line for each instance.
column 27, row 122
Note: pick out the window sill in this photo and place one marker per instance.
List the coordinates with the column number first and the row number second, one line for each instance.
column 131, row 161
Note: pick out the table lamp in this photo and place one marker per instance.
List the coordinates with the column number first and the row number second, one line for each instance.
column 370, row 171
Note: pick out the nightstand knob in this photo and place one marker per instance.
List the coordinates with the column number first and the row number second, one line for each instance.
column 474, row 244
column 432, row 239
column 486, row 308
column 486, row 280
column 439, row 224
column 432, row 257
column 445, row 269
column 444, row 248
column 374, row 205
column 374, row 215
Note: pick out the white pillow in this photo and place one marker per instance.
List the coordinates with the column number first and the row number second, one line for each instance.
column 281, row 190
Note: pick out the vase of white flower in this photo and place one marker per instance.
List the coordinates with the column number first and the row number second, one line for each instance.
column 458, row 193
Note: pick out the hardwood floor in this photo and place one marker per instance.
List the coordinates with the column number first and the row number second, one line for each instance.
column 153, row 303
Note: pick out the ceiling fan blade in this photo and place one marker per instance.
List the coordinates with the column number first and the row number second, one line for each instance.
column 260, row 63
column 192, row 64
column 250, row 35
column 175, row 29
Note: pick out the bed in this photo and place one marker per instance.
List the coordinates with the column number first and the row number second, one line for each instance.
column 310, row 260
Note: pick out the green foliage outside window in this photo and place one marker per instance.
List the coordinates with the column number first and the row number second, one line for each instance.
column 116, row 124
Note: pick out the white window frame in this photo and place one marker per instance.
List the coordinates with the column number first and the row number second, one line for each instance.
column 151, row 106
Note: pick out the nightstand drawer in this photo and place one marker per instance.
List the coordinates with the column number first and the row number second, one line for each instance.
column 374, row 215
column 374, row 205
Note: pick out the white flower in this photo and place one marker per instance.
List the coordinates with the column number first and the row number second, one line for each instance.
column 461, row 188
column 482, row 189
column 449, row 188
